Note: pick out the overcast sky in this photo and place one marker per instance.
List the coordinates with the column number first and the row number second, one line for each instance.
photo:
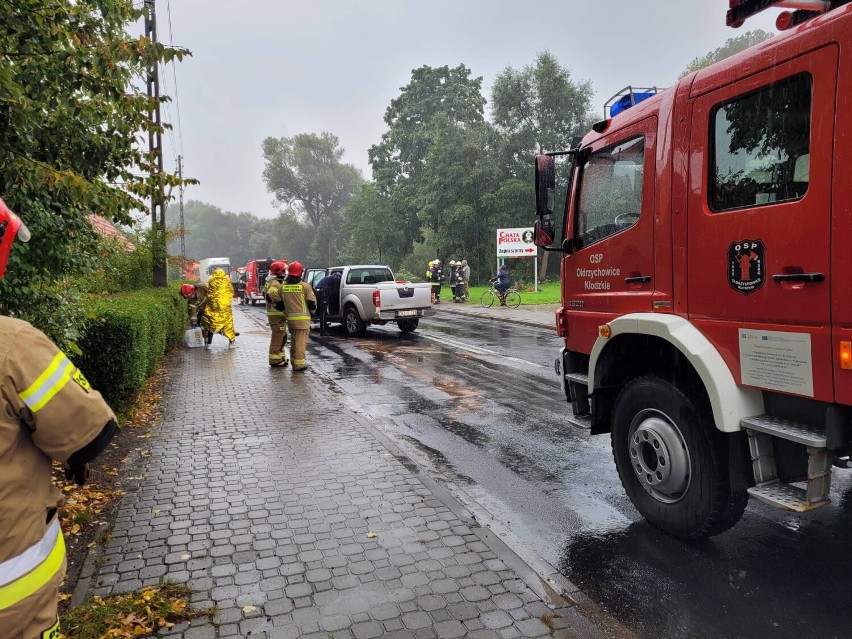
column 282, row 67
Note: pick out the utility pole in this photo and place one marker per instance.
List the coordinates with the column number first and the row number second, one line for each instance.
column 182, row 227
column 155, row 150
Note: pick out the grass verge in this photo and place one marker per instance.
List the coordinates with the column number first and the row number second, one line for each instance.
column 548, row 293
column 133, row 615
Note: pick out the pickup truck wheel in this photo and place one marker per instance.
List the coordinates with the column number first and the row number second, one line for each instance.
column 353, row 324
column 408, row 325
column 672, row 461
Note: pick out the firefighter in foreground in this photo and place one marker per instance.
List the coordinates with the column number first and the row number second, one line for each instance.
column 49, row 411
column 196, row 297
column 275, row 314
column 299, row 301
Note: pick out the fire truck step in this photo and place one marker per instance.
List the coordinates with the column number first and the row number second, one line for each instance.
column 577, row 378
column 786, row 496
column 581, row 421
column 786, row 429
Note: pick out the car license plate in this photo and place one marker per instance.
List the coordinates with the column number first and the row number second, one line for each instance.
column 406, row 313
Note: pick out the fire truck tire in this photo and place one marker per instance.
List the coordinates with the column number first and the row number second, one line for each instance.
column 353, row 325
column 672, row 461
column 408, row 325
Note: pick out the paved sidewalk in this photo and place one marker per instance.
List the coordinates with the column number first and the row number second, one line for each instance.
column 543, row 315
column 299, row 519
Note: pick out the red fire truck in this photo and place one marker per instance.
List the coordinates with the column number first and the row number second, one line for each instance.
column 706, row 303
column 256, row 272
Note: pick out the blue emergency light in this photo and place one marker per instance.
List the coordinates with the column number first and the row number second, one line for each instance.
column 626, row 98
column 625, row 102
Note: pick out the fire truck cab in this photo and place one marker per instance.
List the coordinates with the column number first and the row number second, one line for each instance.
column 706, row 303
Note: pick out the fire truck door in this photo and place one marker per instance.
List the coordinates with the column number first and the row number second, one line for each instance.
column 759, row 216
column 612, row 271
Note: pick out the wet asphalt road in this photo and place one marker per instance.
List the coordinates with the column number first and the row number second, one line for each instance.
column 477, row 404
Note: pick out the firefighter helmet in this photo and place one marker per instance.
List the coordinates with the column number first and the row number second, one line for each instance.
column 11, row 227
column 187, row 289
column 278, row 268
column 296, row 269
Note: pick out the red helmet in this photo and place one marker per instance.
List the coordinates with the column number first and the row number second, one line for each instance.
column 11, row 227
column 278, row 268
column 296, row 269
column 187, row 289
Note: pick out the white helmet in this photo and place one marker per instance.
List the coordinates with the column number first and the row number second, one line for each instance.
column 436, row 261
column 452, row 262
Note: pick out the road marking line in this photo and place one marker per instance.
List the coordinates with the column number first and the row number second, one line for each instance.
column 476, row 349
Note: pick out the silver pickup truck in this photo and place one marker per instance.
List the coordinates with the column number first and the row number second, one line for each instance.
column 369, row 294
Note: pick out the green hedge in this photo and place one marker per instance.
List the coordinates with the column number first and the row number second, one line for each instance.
column 125, row 339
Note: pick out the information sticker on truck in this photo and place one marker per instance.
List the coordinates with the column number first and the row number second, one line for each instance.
column 406, row 313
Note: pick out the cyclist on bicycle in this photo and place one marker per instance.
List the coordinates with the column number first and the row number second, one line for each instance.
column 503, row 282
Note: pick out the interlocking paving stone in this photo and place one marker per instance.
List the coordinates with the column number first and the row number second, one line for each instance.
column 268, row 505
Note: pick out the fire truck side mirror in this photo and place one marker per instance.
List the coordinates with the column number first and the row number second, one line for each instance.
column 545, row 185
column 543, row 231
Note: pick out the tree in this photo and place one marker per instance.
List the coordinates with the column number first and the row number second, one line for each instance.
column 374, row 232
column 538, row 108
column 242, row 237
column 306, row 172
column 72, row 124
column 458, row 178
column 731, row 47
column 398, row 161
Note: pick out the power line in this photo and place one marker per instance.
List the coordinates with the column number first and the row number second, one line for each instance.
column 174, row 76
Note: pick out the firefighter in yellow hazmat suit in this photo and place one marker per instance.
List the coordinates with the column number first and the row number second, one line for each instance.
column 218, row 316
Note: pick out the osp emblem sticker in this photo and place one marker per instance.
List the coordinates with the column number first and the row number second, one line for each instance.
column 746, row 266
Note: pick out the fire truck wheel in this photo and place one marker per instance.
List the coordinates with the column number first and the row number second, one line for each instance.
column 353, row 324
column 672, row 461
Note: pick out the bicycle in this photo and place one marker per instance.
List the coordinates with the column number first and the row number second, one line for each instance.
column 512, row 298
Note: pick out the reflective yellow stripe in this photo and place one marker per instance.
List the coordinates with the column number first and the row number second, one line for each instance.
column 292, row 288
column 36, row 385
column 33, row 581
column 298, row 317
column 50, row 382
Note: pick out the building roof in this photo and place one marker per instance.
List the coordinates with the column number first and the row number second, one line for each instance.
column 105, row 228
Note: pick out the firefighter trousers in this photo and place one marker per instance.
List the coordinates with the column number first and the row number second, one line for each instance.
column 277, row 354
column 35, row 616
column 298, row 345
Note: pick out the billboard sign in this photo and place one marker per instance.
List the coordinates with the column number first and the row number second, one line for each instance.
column 516, row 243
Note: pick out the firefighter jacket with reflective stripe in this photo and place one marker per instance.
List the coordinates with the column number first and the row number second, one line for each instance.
column 49, row 412
column 298, row 299
column 273, row 296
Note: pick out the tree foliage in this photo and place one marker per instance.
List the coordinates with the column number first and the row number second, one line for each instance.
column 373, row 230
column 71, row 116
column 242, row 237
column 539, row 108
column 305, row 173
column 731, row 47
column 434, row 96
